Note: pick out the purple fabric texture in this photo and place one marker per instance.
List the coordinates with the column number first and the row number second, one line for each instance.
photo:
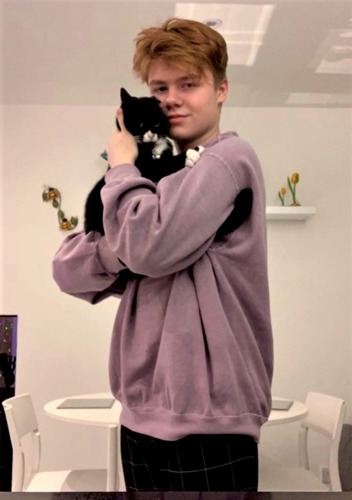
column 191, row 349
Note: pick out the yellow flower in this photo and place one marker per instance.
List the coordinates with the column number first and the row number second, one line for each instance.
column 50, row 194
column 295, row 178
column 283, row 191
column 65, row 225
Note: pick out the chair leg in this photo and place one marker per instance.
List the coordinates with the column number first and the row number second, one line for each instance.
column 303, row 448
column 111, row 481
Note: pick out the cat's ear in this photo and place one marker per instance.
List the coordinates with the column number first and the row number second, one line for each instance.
column 124, row 95
column 155, row 99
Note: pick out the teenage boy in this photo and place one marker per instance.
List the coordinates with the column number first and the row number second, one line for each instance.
column 191, row 353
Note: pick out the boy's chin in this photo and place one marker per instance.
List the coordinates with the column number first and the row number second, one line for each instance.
column 178, row 134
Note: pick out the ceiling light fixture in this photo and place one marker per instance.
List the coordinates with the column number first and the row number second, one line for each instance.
column 243, row 26
column 214, row 23
column 334, row 55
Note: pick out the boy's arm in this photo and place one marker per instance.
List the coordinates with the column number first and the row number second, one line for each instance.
column 159, row 230
column 85, row 267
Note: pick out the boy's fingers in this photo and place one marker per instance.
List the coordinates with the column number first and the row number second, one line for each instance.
column 119, row 119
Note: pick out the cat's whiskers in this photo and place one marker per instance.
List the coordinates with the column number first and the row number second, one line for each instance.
column 139, row 138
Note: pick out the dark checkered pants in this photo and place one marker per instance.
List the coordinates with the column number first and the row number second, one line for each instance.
column 216, row 462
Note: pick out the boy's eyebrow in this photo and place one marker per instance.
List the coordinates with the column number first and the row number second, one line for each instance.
column 156, row 82
column 182, row 78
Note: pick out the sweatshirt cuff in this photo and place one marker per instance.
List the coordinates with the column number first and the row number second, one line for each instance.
column 122, row 172
column 110, row 262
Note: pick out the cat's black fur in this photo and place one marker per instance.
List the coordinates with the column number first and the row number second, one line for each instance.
column 143, row 114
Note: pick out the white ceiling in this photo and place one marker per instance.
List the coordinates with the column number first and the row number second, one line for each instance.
column 79, row 52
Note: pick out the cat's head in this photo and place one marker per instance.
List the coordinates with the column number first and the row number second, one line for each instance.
column 142, row 115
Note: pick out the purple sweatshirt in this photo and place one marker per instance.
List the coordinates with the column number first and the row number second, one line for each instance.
column 191, row 349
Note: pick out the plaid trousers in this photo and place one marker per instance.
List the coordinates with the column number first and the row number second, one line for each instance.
column 198, row 462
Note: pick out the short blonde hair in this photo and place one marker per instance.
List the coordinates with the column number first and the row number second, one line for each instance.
column 183, row 43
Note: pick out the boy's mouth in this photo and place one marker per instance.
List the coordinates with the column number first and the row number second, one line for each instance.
column 176, row 118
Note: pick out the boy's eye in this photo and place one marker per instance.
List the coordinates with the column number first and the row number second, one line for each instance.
column 159, row 90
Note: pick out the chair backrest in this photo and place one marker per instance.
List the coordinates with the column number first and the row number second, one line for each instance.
column 25, row 439
column 325, row 416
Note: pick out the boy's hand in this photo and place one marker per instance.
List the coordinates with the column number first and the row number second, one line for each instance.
column 122, row 147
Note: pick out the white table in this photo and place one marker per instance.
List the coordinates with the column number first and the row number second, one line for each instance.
column 111, row 416
column 102, row 417
column 297, row 412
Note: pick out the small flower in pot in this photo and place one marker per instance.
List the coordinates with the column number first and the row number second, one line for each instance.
column 292, row 183
column 281, row 194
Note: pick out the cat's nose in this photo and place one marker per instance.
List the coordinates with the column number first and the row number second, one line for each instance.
column 150, row 137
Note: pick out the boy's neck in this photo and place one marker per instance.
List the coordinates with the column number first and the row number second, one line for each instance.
column 189, row 144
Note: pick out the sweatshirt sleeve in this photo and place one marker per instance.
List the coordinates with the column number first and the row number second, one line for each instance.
column 158, row 230
column 85, row 267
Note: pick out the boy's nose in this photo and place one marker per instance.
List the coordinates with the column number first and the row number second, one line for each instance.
column 172, row 98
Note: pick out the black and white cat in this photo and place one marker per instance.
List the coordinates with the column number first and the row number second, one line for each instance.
column 145, row 120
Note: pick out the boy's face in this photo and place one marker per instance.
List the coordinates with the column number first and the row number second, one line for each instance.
column 191, row 103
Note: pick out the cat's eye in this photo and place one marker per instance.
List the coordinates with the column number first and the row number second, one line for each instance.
column 157, row 125
column 140, row 124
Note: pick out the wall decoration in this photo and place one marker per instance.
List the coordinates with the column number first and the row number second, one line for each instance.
column 292, row 184
column 52, row 194
column 281, row 194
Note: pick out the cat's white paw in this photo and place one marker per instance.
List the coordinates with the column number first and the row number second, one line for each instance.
column 193, row 155
column 160, row 147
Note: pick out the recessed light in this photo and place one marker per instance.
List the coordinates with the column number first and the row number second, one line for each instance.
column 242, row 26
column 213, row 22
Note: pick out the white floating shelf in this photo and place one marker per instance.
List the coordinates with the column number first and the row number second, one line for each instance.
column 290, row 213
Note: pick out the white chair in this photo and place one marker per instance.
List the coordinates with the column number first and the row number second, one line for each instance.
column 325, row 417
column 26, row 445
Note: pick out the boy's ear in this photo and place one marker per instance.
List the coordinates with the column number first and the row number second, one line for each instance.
column 124, row 95
column 223, row 90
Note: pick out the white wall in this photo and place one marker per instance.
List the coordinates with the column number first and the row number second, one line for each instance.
column 309, row 262
column 63, row 343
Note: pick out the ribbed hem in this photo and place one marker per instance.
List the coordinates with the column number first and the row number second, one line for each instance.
column 163, row 424
column 123, row 170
